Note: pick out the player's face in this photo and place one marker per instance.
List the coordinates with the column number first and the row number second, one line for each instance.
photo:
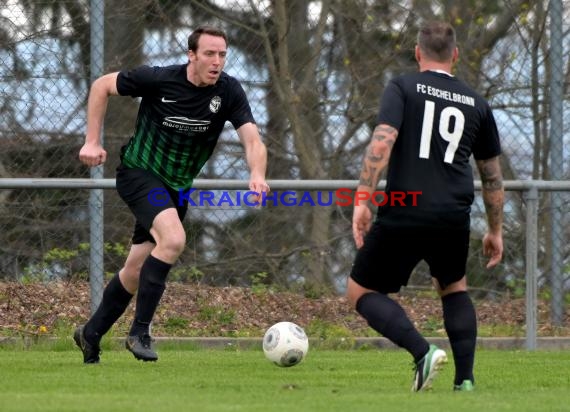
column 207, row 62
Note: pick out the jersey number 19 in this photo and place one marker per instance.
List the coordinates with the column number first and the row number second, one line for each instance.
column 451, row 136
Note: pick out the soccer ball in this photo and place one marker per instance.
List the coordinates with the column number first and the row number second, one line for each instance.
column 285, row 344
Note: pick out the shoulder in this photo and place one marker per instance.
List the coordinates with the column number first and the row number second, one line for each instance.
column 168, row 72
column 155, row 71
column 146, row 79
column 404, row 82
column 407, row 78
column 471, row 90
column 229, row 82
column 230, row 87
column 400, row 86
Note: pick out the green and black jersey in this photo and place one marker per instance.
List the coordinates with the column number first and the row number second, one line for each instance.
column 178, row 124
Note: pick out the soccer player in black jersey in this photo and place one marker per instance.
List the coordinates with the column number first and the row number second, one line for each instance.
column 428, row 126
column 181, row 115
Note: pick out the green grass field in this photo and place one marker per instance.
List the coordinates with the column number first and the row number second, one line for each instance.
column 55, row 379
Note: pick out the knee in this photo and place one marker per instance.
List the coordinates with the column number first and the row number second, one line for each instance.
column 131, row 271
column 130, row 276
column 455, row 287
column 172, row 244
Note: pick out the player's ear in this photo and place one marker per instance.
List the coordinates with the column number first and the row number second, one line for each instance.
column 418, row 53
column 455, row 55
column 191, row 56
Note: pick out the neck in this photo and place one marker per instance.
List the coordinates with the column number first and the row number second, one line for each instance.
column 190, row 75
column 446, row 67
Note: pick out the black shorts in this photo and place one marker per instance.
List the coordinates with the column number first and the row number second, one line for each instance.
column 147, row 196
column 389, row 254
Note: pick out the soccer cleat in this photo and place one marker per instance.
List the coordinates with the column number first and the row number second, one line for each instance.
column 466, row 386
column 427, row 368
column 141, row 347
column 90, row 352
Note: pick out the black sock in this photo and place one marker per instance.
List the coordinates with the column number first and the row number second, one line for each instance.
column 151, row 287
column 460, row 323
column 388, row 318
column 113, row 304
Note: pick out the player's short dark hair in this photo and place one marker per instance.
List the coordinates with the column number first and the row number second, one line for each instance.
column 436, row 39
column 211, row 30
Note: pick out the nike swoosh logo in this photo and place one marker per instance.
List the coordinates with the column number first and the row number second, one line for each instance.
column 165, row 100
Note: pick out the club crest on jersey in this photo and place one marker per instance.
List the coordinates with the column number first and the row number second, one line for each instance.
column 215, row 104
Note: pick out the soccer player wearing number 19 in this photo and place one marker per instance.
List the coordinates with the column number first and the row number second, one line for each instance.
column 429, row 124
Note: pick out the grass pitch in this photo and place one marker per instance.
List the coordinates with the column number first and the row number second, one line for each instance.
column 55, row 379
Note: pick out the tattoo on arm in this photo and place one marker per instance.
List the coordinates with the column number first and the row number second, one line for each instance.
column 490, row 171
column 377, row 154
column 383, row 131
column 366, row 176
column 492, row 191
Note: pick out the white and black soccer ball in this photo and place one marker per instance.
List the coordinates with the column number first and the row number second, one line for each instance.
column 285, row 344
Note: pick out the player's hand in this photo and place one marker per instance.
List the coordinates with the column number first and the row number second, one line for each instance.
column 92, row 154
column 259, row 185
column 361, row 223
column 493, row 247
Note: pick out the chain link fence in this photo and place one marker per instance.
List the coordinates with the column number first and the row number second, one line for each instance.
column 314, row 72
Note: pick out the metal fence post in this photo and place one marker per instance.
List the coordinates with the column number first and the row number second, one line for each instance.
column 556, row 160
column 96, row 196
column 531, row 200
